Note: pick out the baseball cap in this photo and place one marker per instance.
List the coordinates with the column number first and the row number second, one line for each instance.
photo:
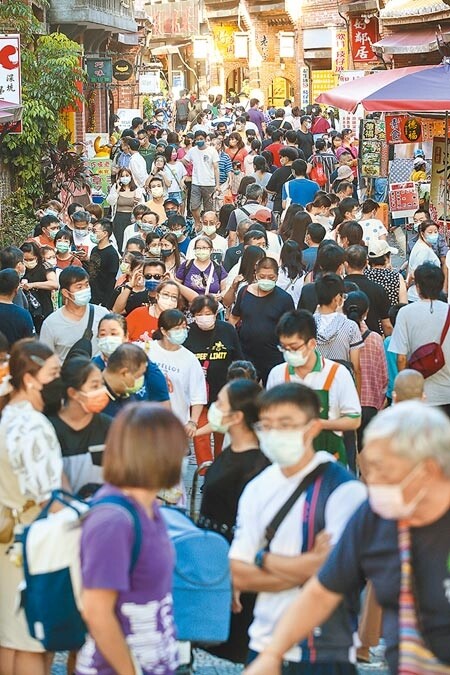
column 228, row 106
column 419, row 153
column 262, row 216
column 171, row 200
column 419, row 161
column 379, row 247
column 344, row 172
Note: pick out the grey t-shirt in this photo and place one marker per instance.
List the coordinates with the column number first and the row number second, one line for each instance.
column 60, row 333
column 418, row 324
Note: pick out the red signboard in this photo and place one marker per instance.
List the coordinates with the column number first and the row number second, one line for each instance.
column 407, row 129
column 403, row 197
column 364, row 33
column 174, row 19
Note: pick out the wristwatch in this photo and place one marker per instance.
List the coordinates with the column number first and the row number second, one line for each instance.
column 128, row 288
column 259, row 558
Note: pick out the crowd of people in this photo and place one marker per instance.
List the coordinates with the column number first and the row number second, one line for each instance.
column 234, row 300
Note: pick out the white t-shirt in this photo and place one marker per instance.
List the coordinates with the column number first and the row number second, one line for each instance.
column 259, row 503
column 421, row 253
column 373, row 229
column 171, row 170
column 291, row 286
column 220, row 245
column 203, row 165
column 60, row 333
column 343, row 397
column 138, row 168
column 185, row 379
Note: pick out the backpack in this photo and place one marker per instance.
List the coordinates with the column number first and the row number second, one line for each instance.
column 50, row 595
column 318, row 172
column 182, row 110
column 201, row 581
column 429, row 358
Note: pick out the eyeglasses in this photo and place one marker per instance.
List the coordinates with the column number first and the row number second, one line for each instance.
column 156, row 277
column 169, row 297
column 284, row 349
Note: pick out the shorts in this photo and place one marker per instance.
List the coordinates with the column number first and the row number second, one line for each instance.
column 201, row 194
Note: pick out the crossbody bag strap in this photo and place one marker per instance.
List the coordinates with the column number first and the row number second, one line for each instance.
column 276, row 521
column 445, row 329
column 330, row 377
column 88, row 333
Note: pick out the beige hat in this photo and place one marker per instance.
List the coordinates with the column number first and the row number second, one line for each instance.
column 379, row 247
column 344, row 172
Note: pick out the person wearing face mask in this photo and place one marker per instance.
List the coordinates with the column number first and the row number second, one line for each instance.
column 38, row 281
column 81, row 235
column 258, row 308
column 210, row 225
column 143, row 321
column 216, row 345
column 122, row 198
column 184, row 374
column 340, row 407
column 63, row 244
column 11, row 257
column 124, row 377
column 201, row 274
column 421, row 253
column 153, row 245
column 156, row 203
column 103, row 264
column 129, row 294
column 31, row 468
column 80, row 424
column 177, row 169
column 288, row 423
column 398, row 540
column 170, row 253
column 441, row 248
column 177, row 226
column 236, row 410
column 205, row 176
column 305, row 138
column 49, row 226
column 69, row 324
column 113, row 332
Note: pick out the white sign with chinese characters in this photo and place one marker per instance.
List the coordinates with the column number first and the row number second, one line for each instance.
column 10, row 82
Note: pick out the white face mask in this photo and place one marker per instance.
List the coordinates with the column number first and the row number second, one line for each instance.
column 284, row 448
column 215, row 419
column 109, row 343
column 295, row 359
column 206, row 321
column 157, row 192
column 388, row 501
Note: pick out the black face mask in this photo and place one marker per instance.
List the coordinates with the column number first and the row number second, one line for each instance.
column 52, row 396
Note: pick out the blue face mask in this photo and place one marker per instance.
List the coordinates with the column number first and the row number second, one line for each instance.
column 177, row 335
column 151, row 284
column 200, row 144
column 432, row 238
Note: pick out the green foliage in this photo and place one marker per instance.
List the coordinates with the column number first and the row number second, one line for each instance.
column 15, row 225
column 64, row 171
column 50, row 70
column 147, row 108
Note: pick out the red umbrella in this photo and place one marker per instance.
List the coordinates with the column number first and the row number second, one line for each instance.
column 414, row 89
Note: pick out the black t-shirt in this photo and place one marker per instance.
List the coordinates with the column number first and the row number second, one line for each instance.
column 305, row 142
column 308, row 298
column 275, row 184
column 15, row 323
column 103, row 266
column 39, row 274
column 134, row 301
column 224, row 482
column 260, row 316
column 280, row 124
column 368, row 549
column 225, row 349
column 378, row 298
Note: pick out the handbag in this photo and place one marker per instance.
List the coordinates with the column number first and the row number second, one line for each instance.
column 318, row 173
column 429, row 358
column 8, row 520
column 34, row 305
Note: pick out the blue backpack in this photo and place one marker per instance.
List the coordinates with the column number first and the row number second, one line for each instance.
column 201, row 581
column 52, row 569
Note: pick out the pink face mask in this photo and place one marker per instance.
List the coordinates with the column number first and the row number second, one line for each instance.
column 205, row 322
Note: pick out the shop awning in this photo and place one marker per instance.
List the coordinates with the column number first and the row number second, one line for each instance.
column 398, row 9
column 10, row 112
column 409, row 42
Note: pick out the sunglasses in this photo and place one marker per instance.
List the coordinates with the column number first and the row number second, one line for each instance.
column 156, row 277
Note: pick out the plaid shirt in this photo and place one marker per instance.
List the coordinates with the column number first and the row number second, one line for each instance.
column 374, row 375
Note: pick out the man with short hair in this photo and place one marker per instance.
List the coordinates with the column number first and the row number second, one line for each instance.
column 305, row 137
column 379, row 303
column 408, row 385
column 421, row 323
column 256, row 116
column 340, row 406
column 81, row 235
column 177, row 225
column 275, row 146
column 276, row 182
column 234, row 253
column 137, row 123
column 103, row 264
column 279, row 122
column 210, row 224
column 330, row 258
column 16, row 323
column 49, row 226
column 344, row 190
column 11, row 257
column 254, row 195
column 301, row 190
column 62, row 329
column 181, row 111
column 122, row 376
column 205, row 175
column 315, row 234
column 289, row 423
column 146, row 149
column 137, row 164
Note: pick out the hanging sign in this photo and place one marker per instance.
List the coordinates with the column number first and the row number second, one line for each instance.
column 364, row 32
column 407, row 129
column 403, row 199
column 373, row 149
column 99, row 71
column 122, row 70
column 10, row 82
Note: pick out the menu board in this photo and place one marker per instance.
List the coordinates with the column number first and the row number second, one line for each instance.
column 403, row 199
column 373, row 149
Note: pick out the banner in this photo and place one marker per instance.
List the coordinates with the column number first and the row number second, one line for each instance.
column 101, row 175
column 99, row 71
column 150, row 82
column 10, row 82
column 440, row 183
column 364, row 32
column 374, row 150
column 403, row 199
column 339, row 50
column 407, row 129
column 304, row 86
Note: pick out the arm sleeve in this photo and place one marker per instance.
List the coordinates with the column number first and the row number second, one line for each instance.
column 248, row 537
column 197, row 384
column 156, row 384
column 237, row 308
column 399, row 343
column 46, row 335
column 348, row 399
column 232, row 222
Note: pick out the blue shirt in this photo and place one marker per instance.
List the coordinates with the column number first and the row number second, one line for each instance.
column 392, row 366
column 309, row 256
column 301, row 191
column 154, row 389
column 15, row 322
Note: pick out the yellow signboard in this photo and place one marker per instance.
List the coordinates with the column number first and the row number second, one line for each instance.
column 322, row 80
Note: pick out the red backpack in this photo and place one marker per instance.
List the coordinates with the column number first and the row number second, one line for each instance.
column 318, row 172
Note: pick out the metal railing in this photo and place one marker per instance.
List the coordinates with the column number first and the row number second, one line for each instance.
column 116, row 7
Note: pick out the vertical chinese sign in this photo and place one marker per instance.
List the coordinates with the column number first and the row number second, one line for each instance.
column 10, row 82
column 340, row 50
column 364, row 33
column 440, row 183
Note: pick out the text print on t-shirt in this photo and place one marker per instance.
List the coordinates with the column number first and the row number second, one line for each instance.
column 218, row 353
